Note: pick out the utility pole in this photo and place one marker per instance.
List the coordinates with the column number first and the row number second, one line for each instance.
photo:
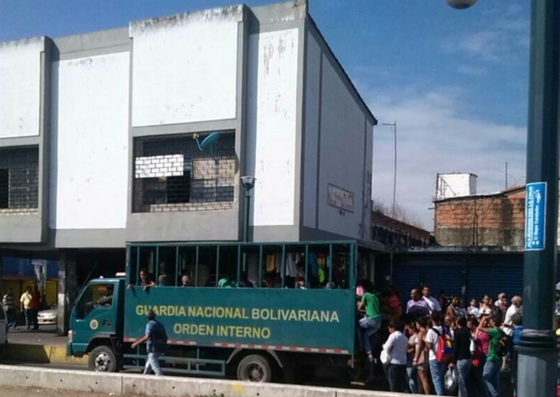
column 394, row 125
column 537, row 374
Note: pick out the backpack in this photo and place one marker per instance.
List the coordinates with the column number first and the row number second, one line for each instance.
column 502, row 348
column 444, row 351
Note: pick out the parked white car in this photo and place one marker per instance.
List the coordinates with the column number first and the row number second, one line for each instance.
column 48, row 316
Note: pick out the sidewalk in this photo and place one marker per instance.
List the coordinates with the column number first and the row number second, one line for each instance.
column 42, row 346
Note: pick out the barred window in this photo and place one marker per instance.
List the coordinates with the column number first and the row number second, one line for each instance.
column 19, row 180
column 173, row 173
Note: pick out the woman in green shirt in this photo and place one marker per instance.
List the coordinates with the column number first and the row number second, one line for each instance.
column 493, row 365
column 371, row 321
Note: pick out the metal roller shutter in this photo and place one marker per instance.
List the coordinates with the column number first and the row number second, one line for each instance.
column 405, row 278
column 443, row 278
column 493, row 280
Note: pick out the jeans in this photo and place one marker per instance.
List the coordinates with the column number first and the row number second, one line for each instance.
column 28, row 317
column 11, row 314
column 437, row 369
column 368, row 327
column 396, row 375
column 491, row 375
column 463, row 369
column 412, row 377
column 153, row 362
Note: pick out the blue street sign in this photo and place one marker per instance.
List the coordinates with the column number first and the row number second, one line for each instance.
column 535, row 216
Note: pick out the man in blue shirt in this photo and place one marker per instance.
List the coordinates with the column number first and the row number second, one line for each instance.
column 156, row 341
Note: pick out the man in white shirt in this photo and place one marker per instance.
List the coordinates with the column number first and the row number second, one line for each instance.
column 515, row 308
column 432, row 302
column 437, row 369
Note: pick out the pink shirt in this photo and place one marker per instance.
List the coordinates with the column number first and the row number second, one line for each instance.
column 484, row 339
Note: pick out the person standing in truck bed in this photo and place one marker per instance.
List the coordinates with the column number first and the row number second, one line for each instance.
column 145, row 280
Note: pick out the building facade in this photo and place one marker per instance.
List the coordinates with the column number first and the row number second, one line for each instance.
column 142, row 133
column 482, row 220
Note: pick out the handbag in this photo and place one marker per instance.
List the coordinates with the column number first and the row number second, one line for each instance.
column 451, row 380
column 384, row 357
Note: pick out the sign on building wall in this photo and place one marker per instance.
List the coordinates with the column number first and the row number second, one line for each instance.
column 340, row 198
column 535, row 216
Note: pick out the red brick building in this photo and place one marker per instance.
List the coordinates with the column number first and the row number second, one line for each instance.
column 482, row 220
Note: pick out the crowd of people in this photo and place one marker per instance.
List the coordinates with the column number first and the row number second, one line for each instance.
column 427, row 340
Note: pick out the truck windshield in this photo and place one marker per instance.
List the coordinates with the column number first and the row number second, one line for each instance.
column 95, row 295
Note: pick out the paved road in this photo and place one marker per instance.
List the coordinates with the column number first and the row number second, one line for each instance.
column 46, row 335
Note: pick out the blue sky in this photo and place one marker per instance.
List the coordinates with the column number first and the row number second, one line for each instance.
column 455, row 82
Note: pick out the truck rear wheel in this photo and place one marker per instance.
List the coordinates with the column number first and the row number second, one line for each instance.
column 103, row 359
column 254, row 368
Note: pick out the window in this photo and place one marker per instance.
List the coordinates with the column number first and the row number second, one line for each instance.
column 95, row 296
column 175, row 174
column 19, row 179
column 4, row 188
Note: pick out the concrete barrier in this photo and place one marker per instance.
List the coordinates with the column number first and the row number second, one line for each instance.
column 166, row 386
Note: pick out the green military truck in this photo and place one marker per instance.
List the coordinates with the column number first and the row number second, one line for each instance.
column 299, row 314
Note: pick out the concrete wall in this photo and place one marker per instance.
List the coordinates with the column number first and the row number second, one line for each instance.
column 131, row 384
column 271, row 125
column 338, row 148
column 90, row 143
column 20, row 87
column 185, row 67
column 314, row 58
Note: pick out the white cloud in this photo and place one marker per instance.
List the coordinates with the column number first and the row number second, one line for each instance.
column 505, row 33
column 435, row 135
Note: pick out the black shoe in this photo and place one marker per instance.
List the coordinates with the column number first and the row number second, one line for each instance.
column 27, row 327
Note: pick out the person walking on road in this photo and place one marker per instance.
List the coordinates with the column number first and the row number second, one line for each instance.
column 25, row 304
column 156, row 341
column 9, row 304
column 35, row 305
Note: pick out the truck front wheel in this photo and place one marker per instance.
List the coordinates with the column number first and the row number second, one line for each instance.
column 254, row 368
column 103, row 359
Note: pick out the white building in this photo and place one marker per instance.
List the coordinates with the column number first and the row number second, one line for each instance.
column 96, row 133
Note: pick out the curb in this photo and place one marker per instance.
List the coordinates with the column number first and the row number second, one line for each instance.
column 37, row 354
column 168, row 386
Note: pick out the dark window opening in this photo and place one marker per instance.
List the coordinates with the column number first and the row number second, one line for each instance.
column 4, row 188
column 19, row 179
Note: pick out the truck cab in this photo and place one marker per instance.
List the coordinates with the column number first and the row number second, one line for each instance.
column 97, row 322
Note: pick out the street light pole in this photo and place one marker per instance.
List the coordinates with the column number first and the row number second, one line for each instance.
column 537, row 365
column 537, row 374
column 248, row 183
column 394, row 125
